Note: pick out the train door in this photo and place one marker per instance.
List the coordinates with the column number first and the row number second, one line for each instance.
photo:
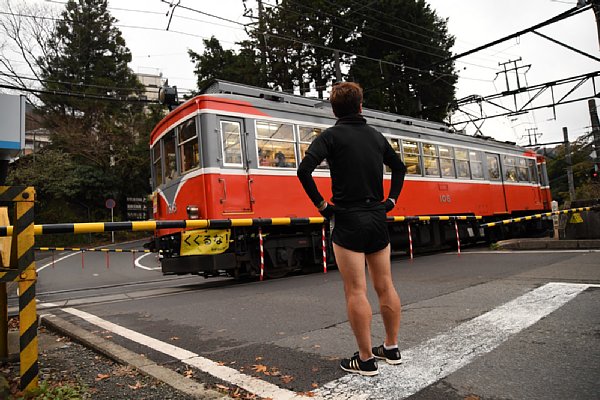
column 497, row 189
column 234, row 180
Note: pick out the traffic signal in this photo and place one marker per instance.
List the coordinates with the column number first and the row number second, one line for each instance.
column 595, row 174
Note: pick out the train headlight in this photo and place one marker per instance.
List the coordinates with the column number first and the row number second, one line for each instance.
column 192, row 212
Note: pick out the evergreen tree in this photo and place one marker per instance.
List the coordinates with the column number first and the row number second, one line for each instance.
column 89, row 59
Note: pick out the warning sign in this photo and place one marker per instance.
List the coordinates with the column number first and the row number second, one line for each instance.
column 576, row 219
column 204, row 242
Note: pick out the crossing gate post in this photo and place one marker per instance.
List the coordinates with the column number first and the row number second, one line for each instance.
column 22, row 270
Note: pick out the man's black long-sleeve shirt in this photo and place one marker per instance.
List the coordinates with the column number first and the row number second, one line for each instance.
column 355, row 153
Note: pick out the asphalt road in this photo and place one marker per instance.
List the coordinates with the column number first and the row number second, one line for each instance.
column 491, row 325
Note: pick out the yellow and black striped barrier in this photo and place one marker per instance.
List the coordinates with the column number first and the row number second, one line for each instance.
column 22, row 270
column 536, row 216
column 96, row 227
column 104, row 250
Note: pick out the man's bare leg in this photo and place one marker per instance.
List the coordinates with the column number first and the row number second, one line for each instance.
column 389, row 302
column 352, row 268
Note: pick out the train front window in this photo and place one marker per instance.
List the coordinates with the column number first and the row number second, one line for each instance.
column 276, row 145
column 430, row 160
column 306, row 135
column 412, row 159
column 157, row 165
column 462, row 163
column 231, row 133
column 188, row 146
column 170, row 157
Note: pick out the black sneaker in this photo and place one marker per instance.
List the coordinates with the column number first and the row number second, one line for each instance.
column 357, row 366
column 390, row 356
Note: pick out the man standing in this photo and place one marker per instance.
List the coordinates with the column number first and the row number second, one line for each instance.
column 356, row 153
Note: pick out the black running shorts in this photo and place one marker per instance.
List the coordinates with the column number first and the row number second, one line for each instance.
column 361, row 229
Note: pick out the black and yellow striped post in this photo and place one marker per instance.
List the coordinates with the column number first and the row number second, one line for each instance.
column 22, row 270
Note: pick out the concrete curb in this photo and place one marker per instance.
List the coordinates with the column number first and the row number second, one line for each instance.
column 548, row 244
column 124, row 356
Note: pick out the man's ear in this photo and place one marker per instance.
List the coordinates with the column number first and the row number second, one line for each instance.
column 360, row 109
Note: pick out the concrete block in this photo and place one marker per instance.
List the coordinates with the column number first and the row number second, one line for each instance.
column 562, row 244
column 525, row 244
column 589, row 244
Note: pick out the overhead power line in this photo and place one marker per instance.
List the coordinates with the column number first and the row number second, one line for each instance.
column 75, row 94
column 569, row 13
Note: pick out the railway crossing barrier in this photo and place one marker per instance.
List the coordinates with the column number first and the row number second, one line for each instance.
column 537, row 216
column 21, row 269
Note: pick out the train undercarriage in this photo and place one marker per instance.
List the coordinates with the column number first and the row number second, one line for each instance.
column 289, row 249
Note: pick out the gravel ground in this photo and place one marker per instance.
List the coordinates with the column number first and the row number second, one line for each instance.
column 64, row 362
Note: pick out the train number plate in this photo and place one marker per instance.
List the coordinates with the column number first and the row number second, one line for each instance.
column 204, row 242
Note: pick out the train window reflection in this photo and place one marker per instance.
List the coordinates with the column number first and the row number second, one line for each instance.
column 157, row 164
column 395, row 143
column 533, row 172
column 475, row 159
column 493, row 167
column 430, row 160
column 306, row 135
column 188, row 146
column 462, row 163
column 447, row 161
column 412, row 159
column 522, row 174
column 170, row 157
column 276, row 145
column 510, row 168
column 231, row 140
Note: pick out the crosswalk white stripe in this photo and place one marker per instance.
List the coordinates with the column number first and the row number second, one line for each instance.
column 440, row 356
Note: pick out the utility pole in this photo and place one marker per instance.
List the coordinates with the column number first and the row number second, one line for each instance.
column 595, row 131
column 569, row 164
column 596, row 8
column 534, row 134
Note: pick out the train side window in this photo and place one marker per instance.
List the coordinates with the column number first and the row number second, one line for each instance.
column 522, row 175
column 533, row 172
column 447, row 161
column 231, row 133
column 462, row 163
column 510, row 168
column 170, row 158
column 395, row 143
column 306, row 135
column 412, row 158
column 476, row 161
column 275, row 143
column 493, row 167
column 430, row 160
column 157, row 165
column 188, row 145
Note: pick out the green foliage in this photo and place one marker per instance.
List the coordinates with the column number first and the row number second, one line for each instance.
column 46, row 391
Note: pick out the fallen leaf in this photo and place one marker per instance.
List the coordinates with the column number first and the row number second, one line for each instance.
column 223, row 387
column 314, row 385
column 259, row 368
column 100, row 377
column 287, row 378
column 138, row 385
column 258, row 358
column 174, row 338
column 188, row 373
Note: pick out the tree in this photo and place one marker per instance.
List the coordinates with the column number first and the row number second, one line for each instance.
column 218, row 63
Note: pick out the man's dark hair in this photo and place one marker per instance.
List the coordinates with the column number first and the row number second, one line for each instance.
column 346, row 98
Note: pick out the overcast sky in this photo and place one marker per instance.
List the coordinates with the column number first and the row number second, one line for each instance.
column 472, row 22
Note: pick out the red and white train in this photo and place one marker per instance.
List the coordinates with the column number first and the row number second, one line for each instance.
column 233, row 151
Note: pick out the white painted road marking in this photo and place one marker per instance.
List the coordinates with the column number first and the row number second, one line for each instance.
column 140, row 265
column 246, row 382
column 442, row 355
column 422, row 365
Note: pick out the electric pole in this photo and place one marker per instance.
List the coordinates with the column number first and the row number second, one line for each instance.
column 516, row 69
column 595, row 131
column 569, row 164
column 534, row 134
